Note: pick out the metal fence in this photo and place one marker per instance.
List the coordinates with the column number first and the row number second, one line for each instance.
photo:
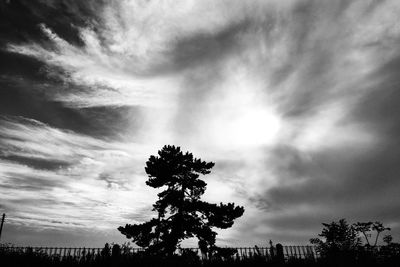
column 62, row 251
column 298, row 252
column 55, row 251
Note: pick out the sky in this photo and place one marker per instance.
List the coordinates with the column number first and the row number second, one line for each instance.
column 297, row 103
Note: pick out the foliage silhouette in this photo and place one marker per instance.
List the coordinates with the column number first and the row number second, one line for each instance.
column 181, row 213
column 342, row 244
column 340, row 240
column 365, row 227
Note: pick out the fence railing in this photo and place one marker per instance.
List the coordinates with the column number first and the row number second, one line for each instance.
column 63, row 251
column 298, row 252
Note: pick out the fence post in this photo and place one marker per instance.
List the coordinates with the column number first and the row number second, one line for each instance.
column 280, row 257
column 116, row 251
column 2, row 222
column 271, row 249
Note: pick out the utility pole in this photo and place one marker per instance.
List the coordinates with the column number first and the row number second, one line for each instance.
column 2, row 222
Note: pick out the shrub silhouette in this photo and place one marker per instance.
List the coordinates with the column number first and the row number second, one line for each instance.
column 340, row 240
column 341, row 244
column 181, row 213
column 366, row 227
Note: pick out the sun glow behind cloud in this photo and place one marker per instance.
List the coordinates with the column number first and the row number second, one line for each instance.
column 266, row 89
column 252, row 128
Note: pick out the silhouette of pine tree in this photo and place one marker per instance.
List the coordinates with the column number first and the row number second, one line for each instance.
column 181, row 213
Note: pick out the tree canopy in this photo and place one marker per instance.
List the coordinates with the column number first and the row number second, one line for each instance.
column 181, row 212
column 339, row 236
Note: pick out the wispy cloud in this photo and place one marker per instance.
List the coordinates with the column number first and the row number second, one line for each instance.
column 106, row 76
column 93, row 181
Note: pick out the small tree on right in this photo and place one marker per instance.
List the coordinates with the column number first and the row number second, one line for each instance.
column 365, row 227
column 340, row 242
column 338, row 239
